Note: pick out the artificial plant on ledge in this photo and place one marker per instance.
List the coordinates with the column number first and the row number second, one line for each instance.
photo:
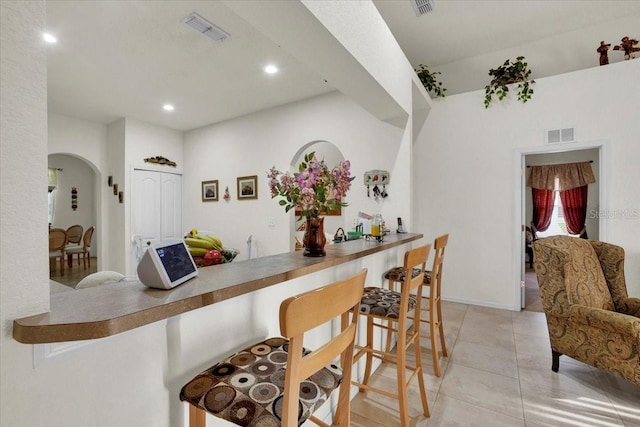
column 506, row 74
column 430, row 81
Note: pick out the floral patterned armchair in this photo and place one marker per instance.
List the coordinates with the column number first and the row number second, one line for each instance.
column 589, row 313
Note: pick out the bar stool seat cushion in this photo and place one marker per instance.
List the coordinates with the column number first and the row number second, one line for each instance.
column 397, row 274
column 383, row 302
column 247, row 388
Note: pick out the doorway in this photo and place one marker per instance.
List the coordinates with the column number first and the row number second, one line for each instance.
column 560, row 153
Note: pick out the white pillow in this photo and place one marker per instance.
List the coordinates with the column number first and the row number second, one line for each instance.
column 99, row 278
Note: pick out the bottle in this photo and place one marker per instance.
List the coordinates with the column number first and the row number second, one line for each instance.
column 376, row 225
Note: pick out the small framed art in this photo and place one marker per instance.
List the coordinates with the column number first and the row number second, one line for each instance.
column 248, row 187
column 210, row 191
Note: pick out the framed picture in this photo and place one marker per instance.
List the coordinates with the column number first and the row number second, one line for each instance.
column 248, row 187
column 210, row 191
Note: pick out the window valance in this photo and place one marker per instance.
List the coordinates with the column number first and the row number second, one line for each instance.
column 570, row 175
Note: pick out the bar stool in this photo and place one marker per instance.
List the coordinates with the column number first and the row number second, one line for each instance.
column 433, row 280
column 278, row 381
column 385, row 305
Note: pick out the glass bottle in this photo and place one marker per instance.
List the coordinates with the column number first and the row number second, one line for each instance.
column 376, row 225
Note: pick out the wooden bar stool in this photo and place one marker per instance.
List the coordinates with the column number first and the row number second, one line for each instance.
column 385, row 305
column 278, row 381
column 433, row 281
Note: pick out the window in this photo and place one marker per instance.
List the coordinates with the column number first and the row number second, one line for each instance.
column 558, row 225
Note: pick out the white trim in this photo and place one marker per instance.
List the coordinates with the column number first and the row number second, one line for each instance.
column 603, row 186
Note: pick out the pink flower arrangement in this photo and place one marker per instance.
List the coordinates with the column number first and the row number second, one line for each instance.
column 314, row 188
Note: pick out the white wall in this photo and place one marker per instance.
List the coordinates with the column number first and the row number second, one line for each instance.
column 252, row 144
column 466, row 176
column 23, row 207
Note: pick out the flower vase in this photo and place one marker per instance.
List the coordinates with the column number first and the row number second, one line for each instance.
column 314, row 238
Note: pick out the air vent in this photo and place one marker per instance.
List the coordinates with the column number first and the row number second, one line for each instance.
column 556, row 136
column 422, row 7
column 205, row 27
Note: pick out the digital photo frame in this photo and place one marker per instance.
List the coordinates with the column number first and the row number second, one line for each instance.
column 166, row 264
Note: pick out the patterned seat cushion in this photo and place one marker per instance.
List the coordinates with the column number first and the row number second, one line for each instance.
column 397, row 274
column 383, row 302
column 247, row 388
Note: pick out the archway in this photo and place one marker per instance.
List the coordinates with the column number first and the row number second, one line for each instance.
column 75, row 172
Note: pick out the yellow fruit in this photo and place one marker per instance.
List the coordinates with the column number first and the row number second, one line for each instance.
column 197, row 251
column 217, row 243
column 198, row 243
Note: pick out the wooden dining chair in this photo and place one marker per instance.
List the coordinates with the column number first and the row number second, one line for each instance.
column 82, row 250
column 277, row 381
column 74, row 234
column 57, row 243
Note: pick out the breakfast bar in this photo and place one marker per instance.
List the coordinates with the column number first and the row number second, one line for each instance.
column 114, row 308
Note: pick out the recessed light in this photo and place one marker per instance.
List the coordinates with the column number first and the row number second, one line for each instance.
column 270, row 69
column 168, row 107
column 49, row 38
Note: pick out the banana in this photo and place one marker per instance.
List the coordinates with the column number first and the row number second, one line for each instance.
column 217, row 243
column 198, row 243
column 197, row 251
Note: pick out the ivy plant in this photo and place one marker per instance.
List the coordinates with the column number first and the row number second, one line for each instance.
column 506, row 74
column 430, row 81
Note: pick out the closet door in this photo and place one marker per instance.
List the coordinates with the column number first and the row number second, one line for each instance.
column 171, row 207
column 156, row 209
column 146, row 213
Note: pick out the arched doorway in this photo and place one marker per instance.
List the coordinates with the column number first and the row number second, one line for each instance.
column 75, row 200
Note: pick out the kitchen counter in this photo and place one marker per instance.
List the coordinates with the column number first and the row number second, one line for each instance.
column 118, row 307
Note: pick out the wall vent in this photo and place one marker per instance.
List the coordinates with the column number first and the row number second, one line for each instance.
column 205, row 27
column 422, row 7
column 557, row 136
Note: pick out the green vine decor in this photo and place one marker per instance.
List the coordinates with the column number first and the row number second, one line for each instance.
column 506, row 74
column 429, row 80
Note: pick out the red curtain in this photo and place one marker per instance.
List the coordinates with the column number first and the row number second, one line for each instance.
column 574, row 206
column 542, row 207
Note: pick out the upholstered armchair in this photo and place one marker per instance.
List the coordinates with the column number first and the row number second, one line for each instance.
column 589, row 313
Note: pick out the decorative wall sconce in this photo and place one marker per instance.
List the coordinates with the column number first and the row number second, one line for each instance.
column 377, row 178
column 74, row 198
column 115, row 189
column 121, row 196
column 110, row 181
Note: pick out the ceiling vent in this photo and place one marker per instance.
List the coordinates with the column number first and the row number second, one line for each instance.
column 422, row 7
column 205, row 27
column 556, row 136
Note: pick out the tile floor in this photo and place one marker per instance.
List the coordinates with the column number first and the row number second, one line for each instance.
column 498, row 373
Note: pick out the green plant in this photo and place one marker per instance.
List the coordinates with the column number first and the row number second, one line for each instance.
column 506, row 74
column 429, row 80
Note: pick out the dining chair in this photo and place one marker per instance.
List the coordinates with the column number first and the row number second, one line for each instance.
column 82, row 250
column 57, row 243
column 277, row 381
column 74, row 235
column 389, row 310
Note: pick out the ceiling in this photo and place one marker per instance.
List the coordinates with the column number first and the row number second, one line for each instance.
column 119, row 59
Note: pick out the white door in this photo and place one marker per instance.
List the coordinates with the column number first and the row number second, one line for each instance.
column 156, row 209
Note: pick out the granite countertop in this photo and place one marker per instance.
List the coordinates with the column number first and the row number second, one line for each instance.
column 121, row 306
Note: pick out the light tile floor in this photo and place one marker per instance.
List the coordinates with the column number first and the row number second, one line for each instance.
column 498, row 373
